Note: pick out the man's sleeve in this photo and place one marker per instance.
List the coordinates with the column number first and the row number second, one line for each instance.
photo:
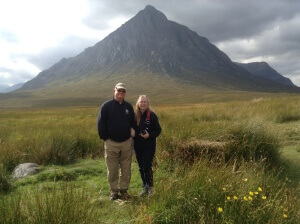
column 132, row 117
column 102, row 122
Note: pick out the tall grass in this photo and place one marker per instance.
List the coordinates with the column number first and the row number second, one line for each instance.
column 48, row 137
column 210, row 194
column 57, row 205
column 251, row 140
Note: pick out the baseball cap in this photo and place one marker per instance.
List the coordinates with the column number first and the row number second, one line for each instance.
column 120, row 86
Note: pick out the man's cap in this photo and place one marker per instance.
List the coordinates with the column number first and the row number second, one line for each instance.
column 120, row 86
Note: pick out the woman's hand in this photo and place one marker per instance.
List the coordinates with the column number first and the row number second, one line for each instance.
column 145, row 135
column 132, row 132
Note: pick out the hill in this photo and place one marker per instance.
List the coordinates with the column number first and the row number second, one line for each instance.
column 12, row 88
column 264, row 70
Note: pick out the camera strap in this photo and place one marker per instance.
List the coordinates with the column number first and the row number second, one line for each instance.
column 148, row 115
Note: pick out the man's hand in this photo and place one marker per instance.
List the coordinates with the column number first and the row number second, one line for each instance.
column 132, row 132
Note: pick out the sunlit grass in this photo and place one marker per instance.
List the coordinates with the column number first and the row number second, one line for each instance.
column 206, row 194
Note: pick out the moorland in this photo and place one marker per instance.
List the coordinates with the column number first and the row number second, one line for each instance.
column 222, row 159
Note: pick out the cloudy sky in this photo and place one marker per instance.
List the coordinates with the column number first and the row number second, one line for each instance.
column 35, row 34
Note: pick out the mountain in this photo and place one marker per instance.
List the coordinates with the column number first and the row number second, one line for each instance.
column 263, row 70
column 149, row 42
column 12, row 88
column 3, row 87
column 152, row 55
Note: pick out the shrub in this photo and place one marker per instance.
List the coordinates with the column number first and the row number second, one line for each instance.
column 287, row 112
column 252, row 141
column 190, row 151
column 10, row 157
column 5, row 184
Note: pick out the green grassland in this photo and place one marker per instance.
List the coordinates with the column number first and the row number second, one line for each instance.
column 94, row 89
column 247, row 171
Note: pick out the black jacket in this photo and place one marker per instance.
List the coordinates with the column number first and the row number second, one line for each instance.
column 152, row 126
column 115, row 120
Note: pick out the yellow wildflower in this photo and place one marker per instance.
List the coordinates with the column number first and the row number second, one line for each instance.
column 285, row 216
column 235, row 197
column 264, row 197
column 245, row 198
column 249, row 198
column 255, row 192
column 246, row 179
column 259, row 189
column 220, row 210
column 251, row 193
column 224, row 188
column 228, row 198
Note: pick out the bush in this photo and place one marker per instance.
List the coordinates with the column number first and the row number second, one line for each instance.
column 190, row 151
column 10, row 157
column 5, row 184
column 252, row 141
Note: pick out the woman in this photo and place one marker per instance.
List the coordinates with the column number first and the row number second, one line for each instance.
column 146, row 128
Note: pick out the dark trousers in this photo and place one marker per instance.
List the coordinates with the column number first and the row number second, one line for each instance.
column 144, row 157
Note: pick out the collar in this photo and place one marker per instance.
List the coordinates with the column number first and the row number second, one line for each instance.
column 118, row 101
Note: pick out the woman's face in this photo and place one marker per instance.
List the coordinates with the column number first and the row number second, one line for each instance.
column 143, row 104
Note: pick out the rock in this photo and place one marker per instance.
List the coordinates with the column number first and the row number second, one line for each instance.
column 25, row 169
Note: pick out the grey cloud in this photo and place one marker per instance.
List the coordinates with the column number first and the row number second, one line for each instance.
column 69, row 47
column 16, row 76
column 101, row 12
column 224, row 20
column 217, row 20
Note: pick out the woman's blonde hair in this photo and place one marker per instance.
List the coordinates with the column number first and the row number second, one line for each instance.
column 138, row 113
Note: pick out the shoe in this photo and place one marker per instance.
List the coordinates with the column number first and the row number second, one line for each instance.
column 125, row 196
column 114, row 197
column 151, row 191
column 144, row 191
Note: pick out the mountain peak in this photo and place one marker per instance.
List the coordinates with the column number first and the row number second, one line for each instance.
column 150, row 8
column 150, row 12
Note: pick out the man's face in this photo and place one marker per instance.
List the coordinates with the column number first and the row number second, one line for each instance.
column 119, row 94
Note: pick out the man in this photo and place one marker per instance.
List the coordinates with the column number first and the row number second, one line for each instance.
column 115, row 120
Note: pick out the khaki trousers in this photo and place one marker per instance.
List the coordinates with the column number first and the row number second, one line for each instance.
column 118, row 155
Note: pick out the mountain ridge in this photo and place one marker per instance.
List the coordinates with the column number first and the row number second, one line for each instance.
column 264, row 70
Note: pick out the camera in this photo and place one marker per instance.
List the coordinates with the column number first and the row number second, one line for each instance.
column 143, row 132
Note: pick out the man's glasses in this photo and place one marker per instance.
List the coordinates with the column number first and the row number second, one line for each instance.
column 121, row 90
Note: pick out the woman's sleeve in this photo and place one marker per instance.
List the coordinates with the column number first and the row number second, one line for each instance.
column 156, row 129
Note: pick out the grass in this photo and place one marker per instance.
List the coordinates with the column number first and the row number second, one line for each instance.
column 206, row 195
column 255, row 140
